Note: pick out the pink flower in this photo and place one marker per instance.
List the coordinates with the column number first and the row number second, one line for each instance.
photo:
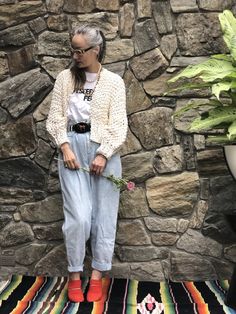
column 130, row 186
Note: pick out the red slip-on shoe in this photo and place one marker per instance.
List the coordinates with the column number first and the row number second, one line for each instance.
column 95, row 290
column 75, row 293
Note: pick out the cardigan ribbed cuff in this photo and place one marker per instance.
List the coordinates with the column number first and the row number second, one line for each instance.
column 105, row 151
column 62, row 140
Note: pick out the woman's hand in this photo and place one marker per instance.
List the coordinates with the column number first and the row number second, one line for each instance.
column 98, row 164
column 69, row 157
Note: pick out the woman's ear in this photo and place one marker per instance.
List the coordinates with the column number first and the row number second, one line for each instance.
column 96, row 50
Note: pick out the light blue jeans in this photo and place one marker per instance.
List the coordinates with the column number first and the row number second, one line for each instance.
column 90, row 206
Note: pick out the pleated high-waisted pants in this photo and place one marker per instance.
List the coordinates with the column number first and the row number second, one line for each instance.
column 90, row 206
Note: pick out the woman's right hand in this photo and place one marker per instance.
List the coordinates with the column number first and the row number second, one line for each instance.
column 69, row 157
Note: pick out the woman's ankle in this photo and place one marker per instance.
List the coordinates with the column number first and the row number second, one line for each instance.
column 96, row 274
column 74, row 276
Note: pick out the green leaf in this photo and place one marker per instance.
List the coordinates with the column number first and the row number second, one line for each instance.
column 232, row 131
column 215, row 117
column 195, row 105
column 233, row 84
column 222, row 57
column 231, row 75
column 233, row 97
column 219, row 139
column 228, row 26
column 210, row 70
column 220, row 87
column 190, row 86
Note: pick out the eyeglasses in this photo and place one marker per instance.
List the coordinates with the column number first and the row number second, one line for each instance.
column 80, row 51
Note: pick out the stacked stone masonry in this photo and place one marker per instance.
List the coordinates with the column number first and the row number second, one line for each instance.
column 173, row 224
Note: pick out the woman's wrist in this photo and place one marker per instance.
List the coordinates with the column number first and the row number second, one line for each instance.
column 102, row 156
column 65, row 146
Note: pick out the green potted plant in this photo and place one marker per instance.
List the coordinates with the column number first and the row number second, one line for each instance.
column 217, row 73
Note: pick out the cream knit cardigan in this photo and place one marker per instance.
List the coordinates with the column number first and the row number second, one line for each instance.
column 107, row 111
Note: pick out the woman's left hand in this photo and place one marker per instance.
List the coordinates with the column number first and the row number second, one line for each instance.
column 98, row 165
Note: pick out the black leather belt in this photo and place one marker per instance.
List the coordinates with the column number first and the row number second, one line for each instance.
column 80, row 127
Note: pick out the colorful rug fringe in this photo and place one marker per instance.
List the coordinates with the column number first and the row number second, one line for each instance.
column 46, row 295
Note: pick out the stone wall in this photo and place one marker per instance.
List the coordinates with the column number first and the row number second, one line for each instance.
column 173, row 224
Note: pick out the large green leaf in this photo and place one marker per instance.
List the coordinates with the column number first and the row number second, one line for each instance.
column 231, row 75
column 222, row 57
column 233, row 84
column 210, row 70
column 228, row 26
column 190, row 86
column 218, row 139
column 195, row 105
column 233, row 97
column 220, row 87
column 215, row 117
column 232, row 131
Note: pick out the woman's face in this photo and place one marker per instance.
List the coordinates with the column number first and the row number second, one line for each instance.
column 83, row 58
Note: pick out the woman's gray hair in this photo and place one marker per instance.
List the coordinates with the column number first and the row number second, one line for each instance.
column 94, row 37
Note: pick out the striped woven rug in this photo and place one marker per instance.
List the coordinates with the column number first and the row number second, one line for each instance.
column 41, row 295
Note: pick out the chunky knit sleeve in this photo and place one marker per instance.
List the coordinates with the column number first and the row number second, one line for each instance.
column 57, row 120
column 115, row 133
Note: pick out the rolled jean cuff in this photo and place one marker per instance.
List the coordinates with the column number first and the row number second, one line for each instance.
column 77, row 269
column 101, row 266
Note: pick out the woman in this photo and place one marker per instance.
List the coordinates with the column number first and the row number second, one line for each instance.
column 88, row 122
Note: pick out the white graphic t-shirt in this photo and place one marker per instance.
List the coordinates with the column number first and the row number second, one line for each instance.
column 79, row 102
